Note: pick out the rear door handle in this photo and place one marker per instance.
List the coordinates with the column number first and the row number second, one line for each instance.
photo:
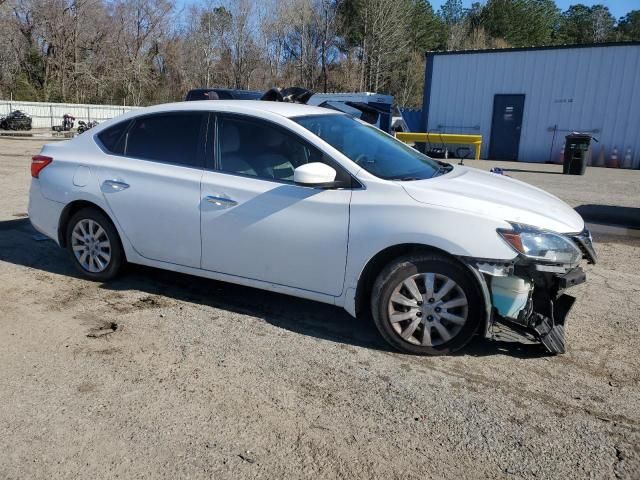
column 110, row 186
column 220, row 201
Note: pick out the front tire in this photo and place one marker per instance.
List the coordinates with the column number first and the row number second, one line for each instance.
column 94, row 245
column 426, row 305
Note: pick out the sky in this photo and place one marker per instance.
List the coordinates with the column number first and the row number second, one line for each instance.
column 618, row 8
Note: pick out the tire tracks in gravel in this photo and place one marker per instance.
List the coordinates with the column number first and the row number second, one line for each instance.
column 514, row 392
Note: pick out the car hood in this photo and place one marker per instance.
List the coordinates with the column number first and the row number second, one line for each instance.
column 496, row 196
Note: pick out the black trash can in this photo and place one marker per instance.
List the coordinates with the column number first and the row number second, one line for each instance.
column 577, row 153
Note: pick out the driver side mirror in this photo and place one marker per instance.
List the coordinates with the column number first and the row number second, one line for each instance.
column 315, row 174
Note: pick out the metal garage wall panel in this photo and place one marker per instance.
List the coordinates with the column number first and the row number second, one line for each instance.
column 577, row 89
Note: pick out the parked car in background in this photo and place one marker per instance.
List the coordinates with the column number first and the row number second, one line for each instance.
column 373, row 108
column 16, row 120
column 222, row 94
column 313, row 203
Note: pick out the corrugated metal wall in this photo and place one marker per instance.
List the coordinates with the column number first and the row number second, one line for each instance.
column 45, row 115
column 575, row 89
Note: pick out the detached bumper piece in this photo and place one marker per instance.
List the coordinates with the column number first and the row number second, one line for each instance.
column 537, row 327
column 550, row 330
column 544, row 316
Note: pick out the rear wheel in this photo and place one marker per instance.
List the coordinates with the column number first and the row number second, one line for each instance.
column 426, row 305
column 94, row 245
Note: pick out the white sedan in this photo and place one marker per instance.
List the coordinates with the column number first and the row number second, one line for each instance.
column 312, row 203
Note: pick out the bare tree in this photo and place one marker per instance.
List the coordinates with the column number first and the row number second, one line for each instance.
column 203, row 44
column 140, row 25
column 143, row 51
column 384, row 25
column 326, row 18
column 241, row 51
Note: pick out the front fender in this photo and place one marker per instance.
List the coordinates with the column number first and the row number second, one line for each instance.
column 376, row 225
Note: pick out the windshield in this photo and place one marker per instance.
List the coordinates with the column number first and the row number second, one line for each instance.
column 372, row 149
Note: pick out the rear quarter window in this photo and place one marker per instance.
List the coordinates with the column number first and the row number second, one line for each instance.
column 112, row 138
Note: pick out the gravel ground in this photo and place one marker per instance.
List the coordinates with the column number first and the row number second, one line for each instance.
column 161, row 375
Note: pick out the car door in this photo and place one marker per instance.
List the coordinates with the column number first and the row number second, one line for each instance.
column 151, row 181
column 257, row 224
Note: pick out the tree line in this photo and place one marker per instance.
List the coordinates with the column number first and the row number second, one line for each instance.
column 140, row 52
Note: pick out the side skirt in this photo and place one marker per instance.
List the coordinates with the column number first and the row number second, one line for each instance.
column 247, row 282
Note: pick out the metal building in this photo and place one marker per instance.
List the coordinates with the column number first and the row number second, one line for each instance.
column 524, row 101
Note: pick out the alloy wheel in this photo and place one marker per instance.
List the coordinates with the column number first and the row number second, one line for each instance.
column 91, row 245
column 428, row 309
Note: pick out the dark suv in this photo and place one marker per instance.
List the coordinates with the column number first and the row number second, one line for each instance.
column 222, row 94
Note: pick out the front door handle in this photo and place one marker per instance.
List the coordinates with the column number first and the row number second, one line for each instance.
column 110, row 186
column 219, row 201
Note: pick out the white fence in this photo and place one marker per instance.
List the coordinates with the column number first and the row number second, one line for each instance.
column 46, row 115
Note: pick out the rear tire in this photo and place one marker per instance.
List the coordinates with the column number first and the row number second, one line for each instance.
column 426, row 304
column 94, row 245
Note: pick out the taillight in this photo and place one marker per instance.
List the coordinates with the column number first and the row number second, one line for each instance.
column 38, row 163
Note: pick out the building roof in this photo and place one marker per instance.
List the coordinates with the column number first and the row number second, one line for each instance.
column 531, row 49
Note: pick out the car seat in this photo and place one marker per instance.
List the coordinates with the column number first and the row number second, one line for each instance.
column 231, row 160
column 274, row 162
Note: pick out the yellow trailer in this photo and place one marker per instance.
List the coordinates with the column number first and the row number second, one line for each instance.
column 446, row 138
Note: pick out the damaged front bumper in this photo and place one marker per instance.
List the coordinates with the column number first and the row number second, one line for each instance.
column 528, row 299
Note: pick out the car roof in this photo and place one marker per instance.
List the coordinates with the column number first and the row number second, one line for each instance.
column 256, row 107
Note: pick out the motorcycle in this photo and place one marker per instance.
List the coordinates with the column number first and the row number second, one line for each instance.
column 84, row 126
column 67, row 123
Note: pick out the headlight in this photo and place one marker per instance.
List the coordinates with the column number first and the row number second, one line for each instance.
column 541, row 245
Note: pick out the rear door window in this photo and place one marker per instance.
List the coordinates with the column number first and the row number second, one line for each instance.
column 168, row 138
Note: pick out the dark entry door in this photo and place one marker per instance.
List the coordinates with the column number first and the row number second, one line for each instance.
column 506, row 126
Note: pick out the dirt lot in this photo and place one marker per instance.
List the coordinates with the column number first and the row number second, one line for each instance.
column 202, row 379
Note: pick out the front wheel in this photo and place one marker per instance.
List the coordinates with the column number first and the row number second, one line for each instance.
column 426, row 305
column 94, row 245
